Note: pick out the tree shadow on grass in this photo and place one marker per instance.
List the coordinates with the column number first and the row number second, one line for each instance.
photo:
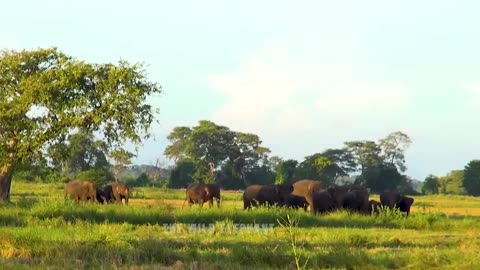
column 160, row 217
column 271, row 254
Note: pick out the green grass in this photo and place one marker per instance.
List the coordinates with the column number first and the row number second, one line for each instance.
column 41, row 230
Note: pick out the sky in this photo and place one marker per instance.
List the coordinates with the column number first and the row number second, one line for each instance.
column 303, row 75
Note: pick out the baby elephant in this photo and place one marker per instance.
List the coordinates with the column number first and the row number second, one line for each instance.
column 374, row 207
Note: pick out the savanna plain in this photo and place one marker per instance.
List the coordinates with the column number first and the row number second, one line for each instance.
column 39, row 229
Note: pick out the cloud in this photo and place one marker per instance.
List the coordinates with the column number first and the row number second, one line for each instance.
column 280, row 90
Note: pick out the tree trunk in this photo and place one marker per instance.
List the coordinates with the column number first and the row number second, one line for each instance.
column 5, row 182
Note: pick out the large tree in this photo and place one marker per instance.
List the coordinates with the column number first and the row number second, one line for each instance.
column 80, row 153
column 327, row 166
column 210, row 145
column 379, row 178
column 471, row 180
column 366, row 154
column 430, row 185
column 46, row 95
column 393, row 149
column 285, row 171
column 452, row 183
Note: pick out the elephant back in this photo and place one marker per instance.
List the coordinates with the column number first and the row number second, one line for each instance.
column 390, row 198
column 306, row 187
column 196, row 191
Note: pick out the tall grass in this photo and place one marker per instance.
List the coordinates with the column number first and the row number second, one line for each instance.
column 45, row 231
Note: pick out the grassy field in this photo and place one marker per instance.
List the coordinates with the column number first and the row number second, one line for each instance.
column 40, row 230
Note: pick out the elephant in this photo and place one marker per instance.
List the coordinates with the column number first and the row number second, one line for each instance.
column 295, row 201
column 356, row 199
column 305, row 188
column 269, row 194
column 101, row 196
column 81, row 190
column 214, row 192
column 117, row 191
column 322, row 202
column 374, row 206
column 201, row 193
column 337, row 192
column 393, row 199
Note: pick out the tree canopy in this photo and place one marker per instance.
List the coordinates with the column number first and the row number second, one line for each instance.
column 46, row 95
column 472, row 178
column 209, row 143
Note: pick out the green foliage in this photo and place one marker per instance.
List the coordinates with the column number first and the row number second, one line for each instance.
column 430, row 185
column 452, row 183
column 98, row 176
column 182, row 174
column 47, row 95
column 143, row 181
column 365, row 153
column 210, row 143
column 80, row 153
column 290, row 226
column 326, row 166
column 121, row 158
column 285, row 171
column 471, row 180
column 393, row 148
column 261, row 175
column 41, row 230
column 380, row 178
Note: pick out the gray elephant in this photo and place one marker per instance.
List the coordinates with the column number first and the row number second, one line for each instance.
column 295, row 201
column 356, row 199
column 255, row 195
column 81, row 190
column 305, row 188
column 337, row 192
column 393, row 199
column 200, row 193
column 117, row 192
column 322, row 202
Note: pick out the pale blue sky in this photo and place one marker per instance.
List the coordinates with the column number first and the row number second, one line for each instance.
column 303, row 75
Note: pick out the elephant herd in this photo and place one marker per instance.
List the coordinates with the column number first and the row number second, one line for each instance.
column 306, row 194
column 310, row 194
column 79, row 190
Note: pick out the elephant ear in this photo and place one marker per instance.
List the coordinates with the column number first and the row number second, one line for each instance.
column 408, row 201
column 287, row 188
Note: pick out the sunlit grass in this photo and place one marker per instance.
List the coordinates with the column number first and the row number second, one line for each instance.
column 41, row 230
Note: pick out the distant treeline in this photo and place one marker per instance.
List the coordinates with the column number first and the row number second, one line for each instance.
column 209, row 152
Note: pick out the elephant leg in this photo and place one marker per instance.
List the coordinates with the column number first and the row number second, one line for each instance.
column 310, row 203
